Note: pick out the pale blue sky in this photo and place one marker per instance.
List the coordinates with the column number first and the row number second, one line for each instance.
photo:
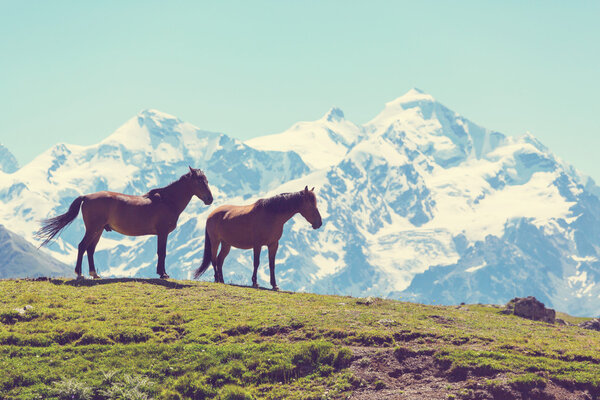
column 73, row 71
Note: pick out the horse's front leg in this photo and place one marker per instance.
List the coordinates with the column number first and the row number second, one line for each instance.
column 161, row 251
column 272, row 251
column 256, row 262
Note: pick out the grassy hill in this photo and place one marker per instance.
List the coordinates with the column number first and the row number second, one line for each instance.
column 142, row 339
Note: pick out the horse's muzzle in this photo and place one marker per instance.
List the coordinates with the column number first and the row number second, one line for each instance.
column 317, row 226
column 208, row 202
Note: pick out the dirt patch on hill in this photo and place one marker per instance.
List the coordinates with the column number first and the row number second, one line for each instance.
column 416, row 375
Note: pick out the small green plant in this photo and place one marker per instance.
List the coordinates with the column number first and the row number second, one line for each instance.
column 130, row 387
column 71, row 389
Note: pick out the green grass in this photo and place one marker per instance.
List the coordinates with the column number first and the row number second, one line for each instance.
column 139, row 340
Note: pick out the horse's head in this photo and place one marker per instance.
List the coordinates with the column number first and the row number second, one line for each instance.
column 199, row 185
column 308, row 208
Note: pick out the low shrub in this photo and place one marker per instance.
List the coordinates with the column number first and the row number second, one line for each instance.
column 193, row 386
column 233, row 392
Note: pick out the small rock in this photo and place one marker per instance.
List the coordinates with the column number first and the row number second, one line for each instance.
column 366, row 301
column 23, row 310
column 593, row 324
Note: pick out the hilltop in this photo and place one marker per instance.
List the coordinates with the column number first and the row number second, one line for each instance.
column 146, row 338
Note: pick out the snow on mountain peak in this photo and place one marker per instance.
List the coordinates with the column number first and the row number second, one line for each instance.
column 156, row 115
column 148, row 129
column 320, row 143
column 334, row 114
column 413, row 95
column 413, row 105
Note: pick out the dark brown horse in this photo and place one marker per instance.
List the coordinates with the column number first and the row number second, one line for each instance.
column 253, row 226
column 154, row 213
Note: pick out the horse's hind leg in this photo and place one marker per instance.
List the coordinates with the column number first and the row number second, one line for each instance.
column 213, row 257
column 90, row 253
column 82, row 248
column 225, row 247
column 272, row 252
column 256, row 263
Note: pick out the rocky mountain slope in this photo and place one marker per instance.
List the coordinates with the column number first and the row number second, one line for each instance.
column 19, row 259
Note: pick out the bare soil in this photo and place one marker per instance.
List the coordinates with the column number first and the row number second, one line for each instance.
column 387, row 374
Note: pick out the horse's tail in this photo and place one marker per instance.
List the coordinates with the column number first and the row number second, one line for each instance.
column 52, row 226
column 207, row 256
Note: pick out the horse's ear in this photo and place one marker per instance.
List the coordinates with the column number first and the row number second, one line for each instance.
column 313, row 189
column 191, row 169
column 306, row 188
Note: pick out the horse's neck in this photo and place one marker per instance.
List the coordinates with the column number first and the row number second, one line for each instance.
column 179, row 195
column 285, row 216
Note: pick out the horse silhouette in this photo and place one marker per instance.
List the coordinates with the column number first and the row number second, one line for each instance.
column 154, row 213
column 253, row 226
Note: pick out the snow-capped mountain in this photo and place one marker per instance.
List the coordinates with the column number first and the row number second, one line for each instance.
column 419, row 203
column 150, row 150
column 320, row 143
column 8, row 162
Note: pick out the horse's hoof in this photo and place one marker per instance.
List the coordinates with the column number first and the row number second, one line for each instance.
column 164, row 276
column 95, row 276
column 80, row 277
column 255, row 285
column 276, row 288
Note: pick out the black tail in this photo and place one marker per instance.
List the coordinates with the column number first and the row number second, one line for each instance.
column 52, row 226
column 207, row 256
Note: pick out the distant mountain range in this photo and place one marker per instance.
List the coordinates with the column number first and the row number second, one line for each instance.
column 419, row 204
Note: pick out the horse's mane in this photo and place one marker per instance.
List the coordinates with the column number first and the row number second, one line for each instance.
column 165, row 189
column 283, row 202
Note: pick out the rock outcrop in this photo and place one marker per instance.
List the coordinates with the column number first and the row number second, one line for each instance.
column 593, row 324
column 530, row 308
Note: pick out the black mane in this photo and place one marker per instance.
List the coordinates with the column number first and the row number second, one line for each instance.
column 162, row 190
column 283, row 202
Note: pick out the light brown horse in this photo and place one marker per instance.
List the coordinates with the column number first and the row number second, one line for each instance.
column 253, row 226
column 154, row 213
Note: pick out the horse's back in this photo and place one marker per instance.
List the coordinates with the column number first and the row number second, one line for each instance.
column 236, row 225
column 114, row 197
column 229, row 212
column 126, row 214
